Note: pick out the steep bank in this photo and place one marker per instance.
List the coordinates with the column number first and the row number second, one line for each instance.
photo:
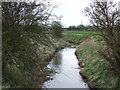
column 95, row 70
column 25, row 55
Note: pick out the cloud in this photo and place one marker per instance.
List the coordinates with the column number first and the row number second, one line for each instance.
column 71, row 10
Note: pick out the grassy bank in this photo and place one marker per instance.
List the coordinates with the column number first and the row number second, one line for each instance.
column 95, row 70
column 25, row 57
column 46, row 53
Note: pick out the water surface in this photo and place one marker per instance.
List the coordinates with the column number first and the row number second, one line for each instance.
column 66, row 65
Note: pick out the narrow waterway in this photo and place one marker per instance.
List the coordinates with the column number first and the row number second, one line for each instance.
column 67, row 70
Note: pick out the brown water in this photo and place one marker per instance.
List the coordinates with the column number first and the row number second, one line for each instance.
column 66, row 65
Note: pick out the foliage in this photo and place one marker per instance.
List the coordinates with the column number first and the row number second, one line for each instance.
column 25, row 40
column 57, row 29
column 81, row 28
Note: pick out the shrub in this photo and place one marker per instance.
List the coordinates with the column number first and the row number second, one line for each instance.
column 57, row 29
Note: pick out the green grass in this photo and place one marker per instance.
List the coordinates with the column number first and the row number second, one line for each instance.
column 81, row 32
column 96, row 68
column 78, row 37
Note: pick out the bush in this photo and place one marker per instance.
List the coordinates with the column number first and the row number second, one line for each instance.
column 57, row 29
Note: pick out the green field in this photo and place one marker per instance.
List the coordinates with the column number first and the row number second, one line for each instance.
column 77, row 37
column 81, row 32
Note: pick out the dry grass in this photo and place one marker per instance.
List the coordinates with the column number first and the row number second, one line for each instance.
column 95, row 67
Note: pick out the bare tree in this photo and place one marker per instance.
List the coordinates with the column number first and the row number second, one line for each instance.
column 104, row 16
column 26, row 13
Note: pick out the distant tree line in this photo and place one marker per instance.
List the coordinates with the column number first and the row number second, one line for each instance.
column 80, row 28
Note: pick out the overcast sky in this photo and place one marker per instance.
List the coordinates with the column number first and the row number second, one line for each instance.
column 71, row 10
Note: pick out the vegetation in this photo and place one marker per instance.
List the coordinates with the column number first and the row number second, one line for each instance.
column 57, row 29
column 104, row 16
column 81, row 32
column 27, row 43
column 99, row 55
column 95, row 70
column 77, row 37
column 81, row 28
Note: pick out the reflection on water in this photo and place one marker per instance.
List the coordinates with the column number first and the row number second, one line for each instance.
column 65, row 64
column 56, row 62
column 57, row 59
